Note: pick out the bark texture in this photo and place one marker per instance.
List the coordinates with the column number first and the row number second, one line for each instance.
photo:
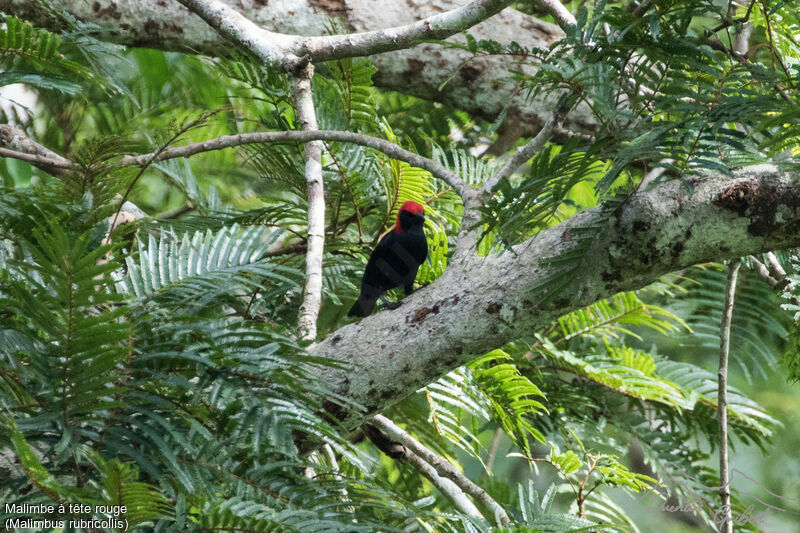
column 481, row 86
column 480, row 303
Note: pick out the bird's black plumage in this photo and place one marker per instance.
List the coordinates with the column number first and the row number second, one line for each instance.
column 395, row 261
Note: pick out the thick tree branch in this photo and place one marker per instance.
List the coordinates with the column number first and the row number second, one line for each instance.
column 443, row 468
column 274, row 49
column 439, row 26
column 287, row 52
column 312, row 292
column 481, row 87
column 480, row 303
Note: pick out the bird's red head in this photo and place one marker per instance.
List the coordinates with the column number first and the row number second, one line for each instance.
column 411, row 207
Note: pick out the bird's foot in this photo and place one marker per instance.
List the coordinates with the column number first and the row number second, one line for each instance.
column 391, row 305
column 388, row 304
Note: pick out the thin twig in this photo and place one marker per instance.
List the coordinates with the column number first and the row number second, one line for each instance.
column 726, row 526
column 229, row 141
column 443, row 468
column 46, row 159
column 388, row 445
column 530, row 149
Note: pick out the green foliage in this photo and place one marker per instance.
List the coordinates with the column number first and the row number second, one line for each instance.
column 757, row 330
column 161, row 372
column 616, row 316
column 511, row 396
column 31, row 56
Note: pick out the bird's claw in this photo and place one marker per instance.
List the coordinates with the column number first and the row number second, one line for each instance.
column 392, row 305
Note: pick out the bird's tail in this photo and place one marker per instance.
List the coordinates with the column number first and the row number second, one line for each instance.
column 363, row 306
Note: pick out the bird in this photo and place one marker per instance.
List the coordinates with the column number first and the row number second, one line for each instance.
column 395, row 261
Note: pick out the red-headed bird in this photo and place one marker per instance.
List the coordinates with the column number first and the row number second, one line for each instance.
column 395, row 261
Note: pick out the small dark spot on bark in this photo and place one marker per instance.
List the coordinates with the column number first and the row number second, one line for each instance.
column 336, row 339
column 422, row 313
column 459, row 350
column 110, row 11
column 332, row 7
column 561, row 303
column 415, row 66
column 406, row 368
column 493, row 308
column 150, row 27
column 383, row 346
column 336, row 411
column 470, row 72
column 677, row 248
column 391, row 355
column 610, row 276
column 566, row 235
column 641, row 226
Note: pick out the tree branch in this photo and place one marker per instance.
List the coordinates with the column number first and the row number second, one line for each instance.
column 288, row 52
column 479, row 303
column 312, row 292
column 780, row 283
column 274, row 49
column 563, row 16
column 528, row 150
column 14, row 143
column 441, row 26
column 443, row 468
column 483, row 88
column 726, row 526
column 57, row 165
column 230, row 141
